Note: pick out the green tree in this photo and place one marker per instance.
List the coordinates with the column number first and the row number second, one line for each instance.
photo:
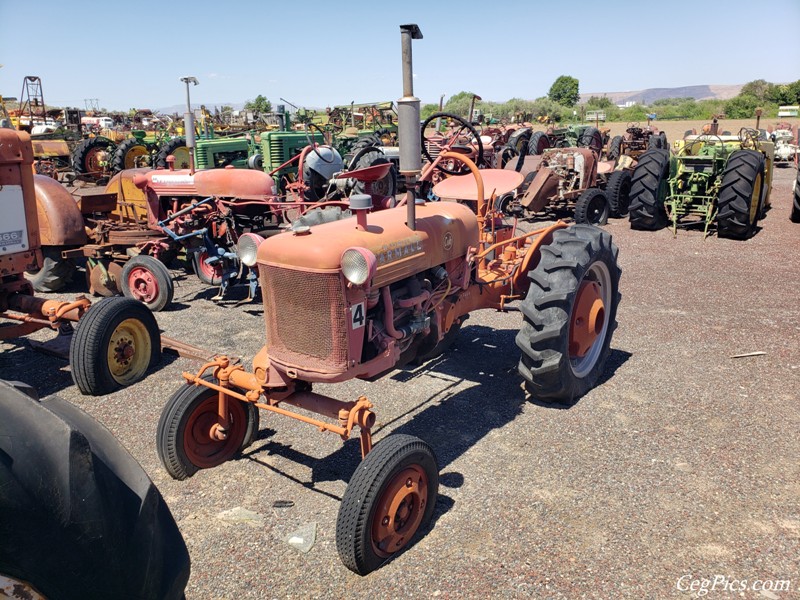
column 742, row 106
column 427, row 110
column 260, row 105
column 546, row 108
column 760, row 89
column 564, row 91
column 459, row 104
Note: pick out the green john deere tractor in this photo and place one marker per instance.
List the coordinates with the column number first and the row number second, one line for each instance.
column 711, row 178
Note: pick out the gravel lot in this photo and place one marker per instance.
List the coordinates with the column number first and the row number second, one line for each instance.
column 682, row 462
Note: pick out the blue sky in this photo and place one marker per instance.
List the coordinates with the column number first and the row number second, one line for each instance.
column 131, row 54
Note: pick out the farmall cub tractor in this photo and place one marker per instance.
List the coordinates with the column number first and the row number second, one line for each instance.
column 358, row 297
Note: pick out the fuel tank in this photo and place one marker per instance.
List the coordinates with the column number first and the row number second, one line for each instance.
column 445, row 230
column 246, row 184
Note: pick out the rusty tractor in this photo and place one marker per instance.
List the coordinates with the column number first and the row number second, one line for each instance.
column 636, row 141
column 116, row 340
column 375, row 292
column 571, row 136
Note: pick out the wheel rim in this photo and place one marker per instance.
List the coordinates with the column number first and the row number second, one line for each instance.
column 399, row 511
column 589, row 321
column 143, row 285
column 182, row 157
column 202, row 449
column 210, row 272
column 132, row 155
column 95, row 160
column 596, row 210
column 129, row 351
column 755, row 199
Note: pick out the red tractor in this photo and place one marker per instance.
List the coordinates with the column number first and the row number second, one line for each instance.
column 359, row 297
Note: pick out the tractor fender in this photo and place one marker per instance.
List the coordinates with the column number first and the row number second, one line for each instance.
column 60, row 219
column 541, row 189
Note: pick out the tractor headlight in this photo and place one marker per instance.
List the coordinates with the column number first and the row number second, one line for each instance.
column 247, row 248
column 358, row 265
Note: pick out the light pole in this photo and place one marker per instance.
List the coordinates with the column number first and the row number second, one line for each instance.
column 188, row 122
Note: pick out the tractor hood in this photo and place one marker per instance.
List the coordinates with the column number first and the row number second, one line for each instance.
column 445, row 230
column 225, row 183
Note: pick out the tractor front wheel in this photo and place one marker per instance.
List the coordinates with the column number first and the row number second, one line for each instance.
column 147, row 280
column 618, row 192
column 569, row 314
column 740, row 195
column 592, row 207
column 649, row 190
column 185, row 436
column 114, row 345
column 391, row 496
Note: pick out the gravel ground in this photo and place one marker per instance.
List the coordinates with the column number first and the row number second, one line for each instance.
column 682, row 462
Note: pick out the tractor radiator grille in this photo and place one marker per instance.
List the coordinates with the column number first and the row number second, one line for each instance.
column 306, row 318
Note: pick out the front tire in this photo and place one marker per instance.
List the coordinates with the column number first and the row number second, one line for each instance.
column 740, row 194
column 147, row 280
column 649, row 190
column 114, row 346
column 391, row 496
column 592, row 207
column 618, row 192
column 569, row 314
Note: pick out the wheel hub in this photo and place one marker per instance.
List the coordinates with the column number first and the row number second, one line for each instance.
column 400, row 510
column 143, row 285
column 588, row 316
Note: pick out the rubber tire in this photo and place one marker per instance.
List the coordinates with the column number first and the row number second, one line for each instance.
column 654, row 142
column 664, row 142
column 584, row 211
column 618, row 192
column 369, row 159
column 463, row 122
column 88, row 351
column 735, row 192
column 615, row 148
column 119, row 162
column 544, row 335
column 795, row 216
column 171, row 426
column 196, row 258
column 167, row 148
column 591, row 138
column 519, row 139
column 166, row 287
column 72, row 493
column 354, row 521
column 538, row 143
column 82, row 150
column 646, row 206
column 55, row 274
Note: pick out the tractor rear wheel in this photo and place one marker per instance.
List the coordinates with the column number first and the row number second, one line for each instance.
column 177, row 148
column 391, row 496
column 184, row 438
column 614, row 148
column 795, row 216
column 740, row 194
column 129, row 154
column 147, row 280
column 519, row 139
column 538, row 143
column 591, row 138
column 114, row 346
column 592, row 207
column 569, row 314
column 618, row 192
column 654, row 142
column 92, row 156
column 80, row 518
column 648, row 191
column 55, row 274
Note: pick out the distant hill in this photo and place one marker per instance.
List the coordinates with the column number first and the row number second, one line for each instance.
column 698, row 92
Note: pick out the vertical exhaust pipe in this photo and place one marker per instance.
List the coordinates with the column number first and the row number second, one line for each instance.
column 408, row 133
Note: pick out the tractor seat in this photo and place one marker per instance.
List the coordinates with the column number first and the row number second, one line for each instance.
column 464, row 187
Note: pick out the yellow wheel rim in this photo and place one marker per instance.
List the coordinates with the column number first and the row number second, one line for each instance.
column 182, row 157
column 133, row 157
column 129, row 351
column 755, row 198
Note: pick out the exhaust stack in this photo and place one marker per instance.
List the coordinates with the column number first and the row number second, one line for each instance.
column 409, row 137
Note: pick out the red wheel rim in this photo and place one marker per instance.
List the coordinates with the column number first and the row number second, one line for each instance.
column 205, row 451
column 399, row 511
column 143, row 285
column 94, row 159
column 209, row 271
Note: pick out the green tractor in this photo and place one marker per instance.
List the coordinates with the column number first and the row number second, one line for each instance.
column 571, row 136
column 711, row 178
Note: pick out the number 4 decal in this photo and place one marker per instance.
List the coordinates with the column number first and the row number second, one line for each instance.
column 357, row 316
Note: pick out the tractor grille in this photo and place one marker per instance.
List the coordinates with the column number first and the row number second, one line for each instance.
column 306, row 318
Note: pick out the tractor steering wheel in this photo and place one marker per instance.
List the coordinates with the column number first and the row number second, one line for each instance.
column 432, row 145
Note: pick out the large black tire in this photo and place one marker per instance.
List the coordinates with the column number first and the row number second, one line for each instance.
column 654, row 142
column 519, row 140
column 795, row 216
column 115, row 344
column 184, row 453
column 384, row 187
column 591, row 138
column 618, row 192
column 464, row 124
column 592, row 207
column 85, row 157
column 741, row 192
column 664, row 142
column 127, row 153
column 538, row 143
column 400, row 467
column 147, row 280
column 79, row 518
column 614, row 148
column 55, row 274
column 649, row 190
column 553, row 369
column 176, row 147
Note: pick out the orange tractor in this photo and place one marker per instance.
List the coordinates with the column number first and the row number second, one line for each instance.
column 359, row 297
